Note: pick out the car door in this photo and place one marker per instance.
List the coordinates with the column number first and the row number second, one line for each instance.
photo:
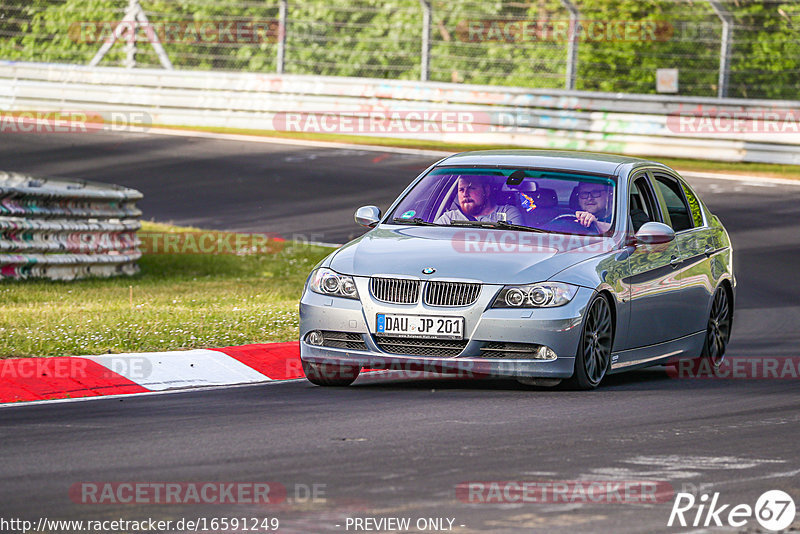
column 695, row 241
column 654, row 275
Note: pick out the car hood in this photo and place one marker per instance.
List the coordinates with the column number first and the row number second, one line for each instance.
column 488, row 256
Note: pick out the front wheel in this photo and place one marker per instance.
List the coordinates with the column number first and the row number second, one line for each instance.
column 330, row 374
column 594, row 349
column 718, row 330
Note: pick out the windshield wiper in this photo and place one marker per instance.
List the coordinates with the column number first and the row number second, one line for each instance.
column 502, row 225
column 416, row 220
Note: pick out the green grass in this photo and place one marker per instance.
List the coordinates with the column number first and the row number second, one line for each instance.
column 180, row 301
column 681, row 164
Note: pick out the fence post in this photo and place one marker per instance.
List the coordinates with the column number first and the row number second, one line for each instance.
column 282, row 17
column 724, row 47
column 130, row 45
column 426, row 40
column 572, row 45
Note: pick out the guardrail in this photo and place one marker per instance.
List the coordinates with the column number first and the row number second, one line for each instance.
column 652, row 125
column 64, row 230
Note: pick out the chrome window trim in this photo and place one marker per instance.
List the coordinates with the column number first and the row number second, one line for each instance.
column 681, row 182
column 641, row 172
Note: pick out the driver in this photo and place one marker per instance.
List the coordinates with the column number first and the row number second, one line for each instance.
column 475, row 204
column 595, row 203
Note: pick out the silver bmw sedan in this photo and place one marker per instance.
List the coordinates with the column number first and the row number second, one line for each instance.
column 535, row 265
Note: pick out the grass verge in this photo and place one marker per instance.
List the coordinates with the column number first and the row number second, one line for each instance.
column 682, row 164
column 179, row 301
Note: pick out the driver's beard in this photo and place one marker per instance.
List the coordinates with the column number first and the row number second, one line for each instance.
column 472, row 208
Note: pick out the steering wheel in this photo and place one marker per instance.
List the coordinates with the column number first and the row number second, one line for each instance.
column 568, row 223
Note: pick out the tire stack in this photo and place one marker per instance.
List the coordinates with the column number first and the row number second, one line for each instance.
column 66, row 230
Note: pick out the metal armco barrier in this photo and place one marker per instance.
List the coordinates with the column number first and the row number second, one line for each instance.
column 574, row 120
column 64, row 230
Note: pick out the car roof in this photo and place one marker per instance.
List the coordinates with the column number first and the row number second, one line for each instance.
column 607, row 164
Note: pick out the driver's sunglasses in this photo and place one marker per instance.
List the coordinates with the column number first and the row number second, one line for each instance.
column 594, row 194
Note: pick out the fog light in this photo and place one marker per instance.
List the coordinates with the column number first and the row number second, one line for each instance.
column 545, row 353
column 315, row 338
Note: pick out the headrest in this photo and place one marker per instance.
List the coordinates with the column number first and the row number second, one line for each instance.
column 573, row 199
column 546, row 198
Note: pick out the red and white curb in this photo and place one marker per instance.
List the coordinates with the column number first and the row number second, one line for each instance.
column 24, row 380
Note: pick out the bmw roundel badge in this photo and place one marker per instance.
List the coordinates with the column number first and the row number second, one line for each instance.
column 428, row 270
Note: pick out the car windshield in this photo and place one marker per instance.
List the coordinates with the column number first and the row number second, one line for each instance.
column 549, row 201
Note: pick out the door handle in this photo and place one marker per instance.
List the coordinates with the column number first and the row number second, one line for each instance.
column 674, row 261
column 708, row 251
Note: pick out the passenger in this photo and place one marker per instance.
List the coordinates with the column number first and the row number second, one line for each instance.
column 475, row 204
column 595, row 203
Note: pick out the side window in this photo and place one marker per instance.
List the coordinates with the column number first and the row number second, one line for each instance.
column 642, row 206
column 674, row 202
column 694, row 205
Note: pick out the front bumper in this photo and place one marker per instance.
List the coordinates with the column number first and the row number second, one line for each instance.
column 558, row 328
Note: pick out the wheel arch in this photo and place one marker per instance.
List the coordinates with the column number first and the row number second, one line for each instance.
column 727, row 286
column 607, row 293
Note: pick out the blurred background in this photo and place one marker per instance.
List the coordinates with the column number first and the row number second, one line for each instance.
column 729, row 48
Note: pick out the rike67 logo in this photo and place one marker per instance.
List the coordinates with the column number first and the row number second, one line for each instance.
column 774, row 510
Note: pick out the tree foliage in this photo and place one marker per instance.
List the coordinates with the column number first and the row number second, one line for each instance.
column 477, row 42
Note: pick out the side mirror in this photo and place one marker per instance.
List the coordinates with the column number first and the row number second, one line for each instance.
column 654, row 233
column 368, row 216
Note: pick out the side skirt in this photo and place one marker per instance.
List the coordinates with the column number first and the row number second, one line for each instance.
column 677, row 349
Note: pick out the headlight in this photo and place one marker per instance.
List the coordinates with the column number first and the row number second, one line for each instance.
column 541, row 295
column 328, row 282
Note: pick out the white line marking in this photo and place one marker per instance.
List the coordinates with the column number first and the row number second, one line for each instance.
column 146, row 393
column 701, row 462
column 747, row 180
column 299, row 142
column 752, row 180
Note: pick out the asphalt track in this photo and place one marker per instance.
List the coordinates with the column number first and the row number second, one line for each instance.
column 390, row 446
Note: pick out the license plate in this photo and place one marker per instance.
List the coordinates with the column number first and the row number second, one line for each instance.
column 429, row 326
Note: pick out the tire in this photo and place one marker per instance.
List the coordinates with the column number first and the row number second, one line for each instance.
column 330, row 374
column 718, row 329
column 593, row 358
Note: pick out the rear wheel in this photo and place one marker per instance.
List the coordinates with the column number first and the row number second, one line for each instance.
column 594, row 349
column 718, row 331
column 330, row 374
